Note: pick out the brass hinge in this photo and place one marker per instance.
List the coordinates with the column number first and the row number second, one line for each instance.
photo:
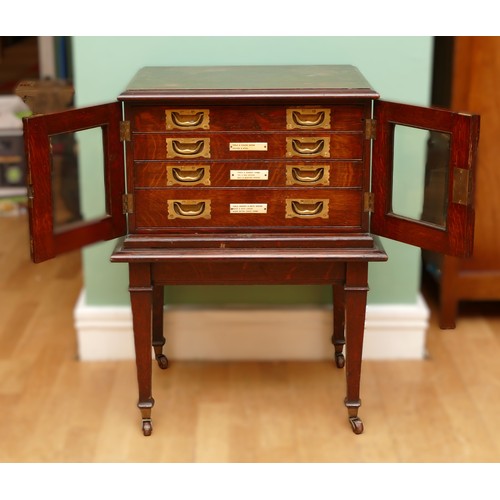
column 370, row 129
column 124, row 131
column 369, row 202
column 462, row 186
column 128, row 203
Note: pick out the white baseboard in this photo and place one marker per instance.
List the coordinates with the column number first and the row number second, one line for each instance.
column 395, row 331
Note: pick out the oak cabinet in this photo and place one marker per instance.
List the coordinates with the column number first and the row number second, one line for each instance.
column 465, row 76
column 251, row 175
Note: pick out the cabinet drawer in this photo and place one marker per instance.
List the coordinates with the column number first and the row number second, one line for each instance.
column 341, row 146
column 248, row 174
column 235, row 209
column 248, row 118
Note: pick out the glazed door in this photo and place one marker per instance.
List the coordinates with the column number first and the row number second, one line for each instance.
column 445, row 221
column 53, row 143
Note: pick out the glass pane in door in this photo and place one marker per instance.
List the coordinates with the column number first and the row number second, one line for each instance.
column 420, row 174
column 70, row 152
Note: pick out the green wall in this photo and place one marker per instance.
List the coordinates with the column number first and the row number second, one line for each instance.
column 399, row 68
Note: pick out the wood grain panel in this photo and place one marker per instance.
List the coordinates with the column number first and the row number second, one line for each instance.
column 341, row 174
column 226, row 118
column 475, row 89
column 151, row 208
column 347, row 146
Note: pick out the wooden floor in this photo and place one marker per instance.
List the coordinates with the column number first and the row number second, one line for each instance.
column 56, row 409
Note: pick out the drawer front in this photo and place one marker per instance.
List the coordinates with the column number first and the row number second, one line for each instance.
column 252, row 118
column 248, row 174
column 248, row 146
column 240, row 209
column 247, row 168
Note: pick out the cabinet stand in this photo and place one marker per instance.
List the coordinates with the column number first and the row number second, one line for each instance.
column 344, row 268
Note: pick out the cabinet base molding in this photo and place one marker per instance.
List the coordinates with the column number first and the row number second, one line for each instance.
column 392, row 331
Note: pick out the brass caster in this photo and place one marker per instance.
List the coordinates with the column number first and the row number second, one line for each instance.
column 162, row 361
column 147, row 427
column 339, row 360
column 356, row 424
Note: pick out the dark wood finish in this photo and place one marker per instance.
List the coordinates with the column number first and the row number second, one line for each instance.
column 469, row 81
column 346, row 269
column 46, row 240
column 456, row 237
column 355, row 290
column 261, row 249
column 342, row 146
column 141, row 300
column 338, row 173
column 157, row 327
column 338, row 337
column 259, row 175
column 244, row 84
column 152, row 118
column 152, row 212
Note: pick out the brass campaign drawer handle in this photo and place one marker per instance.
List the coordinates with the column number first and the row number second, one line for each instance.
column 187, row 119
column 183, row 121
column 188, row 148
column 308, row 176
column 308, row 120
column 308, row 146
column 307, row 209
column 189, row 209
column 188, row 176
column 185, row 210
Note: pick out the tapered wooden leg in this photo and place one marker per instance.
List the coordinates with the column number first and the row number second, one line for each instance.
column 356, row 288
column 338, row 337
column 158, row 336
column 448, row 299
column 141, row 298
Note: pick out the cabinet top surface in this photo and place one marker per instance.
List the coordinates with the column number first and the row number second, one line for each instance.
column 248, row 81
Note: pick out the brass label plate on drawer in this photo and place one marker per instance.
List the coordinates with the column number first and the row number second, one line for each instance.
column 187, row 119
column 308, row 118
column 248, row 208
column 248, row 146
column 249, row 175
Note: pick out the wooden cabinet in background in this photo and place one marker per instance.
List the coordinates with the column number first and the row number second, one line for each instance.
column 466, row 76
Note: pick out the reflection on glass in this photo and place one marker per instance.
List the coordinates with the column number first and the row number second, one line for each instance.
column 420, row 174
column 436, row 179
column 77, row 167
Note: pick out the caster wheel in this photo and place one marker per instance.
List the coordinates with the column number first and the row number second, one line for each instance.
column 147, row 427
column 356, row 424
column 339, row 360
column 162, row 361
